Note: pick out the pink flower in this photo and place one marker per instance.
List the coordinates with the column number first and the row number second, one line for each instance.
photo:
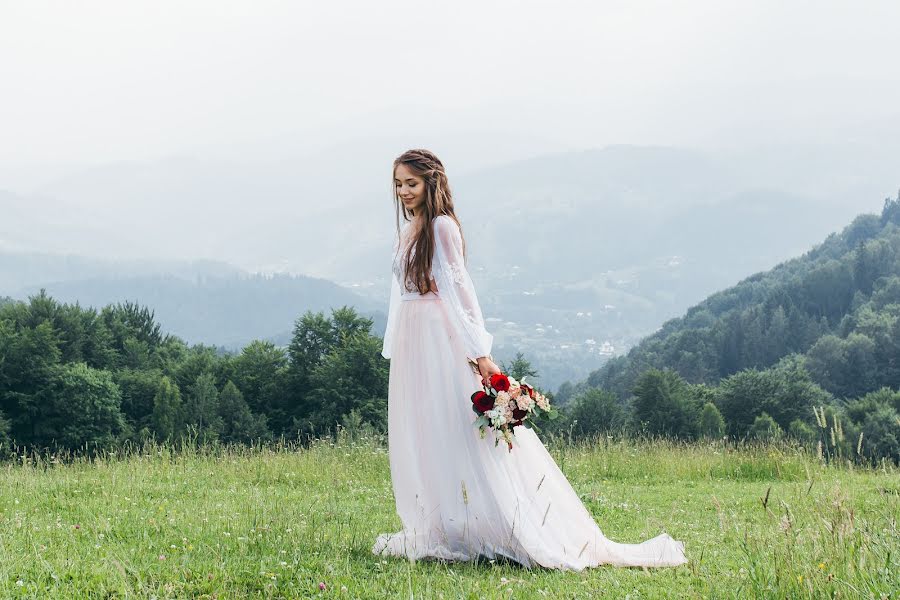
column 524, row 402
column 322, row 585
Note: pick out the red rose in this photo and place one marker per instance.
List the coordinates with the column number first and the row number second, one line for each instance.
column 528, row 389
column 482, row 401
column 500, row 382
column 519, row 414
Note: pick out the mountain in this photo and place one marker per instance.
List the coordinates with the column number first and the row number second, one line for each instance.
column 31, row 269
column 838, row 305
column 202, row 301
column 580, row 255
column 330, row 214
column 576, row 255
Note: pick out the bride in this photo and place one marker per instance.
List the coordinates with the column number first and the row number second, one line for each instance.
column 460, row 496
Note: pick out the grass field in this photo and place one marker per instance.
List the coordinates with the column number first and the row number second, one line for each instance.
column 766, row 521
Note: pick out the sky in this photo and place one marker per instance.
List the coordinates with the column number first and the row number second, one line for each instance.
column 95, row 81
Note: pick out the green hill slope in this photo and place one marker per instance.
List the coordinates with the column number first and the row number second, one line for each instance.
column 838, row 305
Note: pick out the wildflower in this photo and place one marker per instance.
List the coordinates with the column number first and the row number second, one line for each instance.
column 322, row 585
column 816, row 413
column 822, row 566
column 799, row 578
column 162, row 557
column 785, row 523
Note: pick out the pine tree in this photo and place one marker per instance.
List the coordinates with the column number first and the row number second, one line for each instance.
column 4, row 435
column 238, row 423
column 167, row 410
column 712, row 425
column 202, row 408
column 520, row 367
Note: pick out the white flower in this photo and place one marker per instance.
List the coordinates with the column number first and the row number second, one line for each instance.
column 502, row 399
column 496, row 416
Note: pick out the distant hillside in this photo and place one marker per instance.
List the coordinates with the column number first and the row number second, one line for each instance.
column 31, row 269
column 838, row 304
column 227, row 311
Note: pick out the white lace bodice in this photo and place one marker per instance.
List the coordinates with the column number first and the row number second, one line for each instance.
column 454, row 287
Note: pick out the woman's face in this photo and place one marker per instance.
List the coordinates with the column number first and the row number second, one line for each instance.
column 410, row 188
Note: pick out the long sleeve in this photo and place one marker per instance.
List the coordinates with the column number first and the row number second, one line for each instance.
column 456, row 289
column 393, row 307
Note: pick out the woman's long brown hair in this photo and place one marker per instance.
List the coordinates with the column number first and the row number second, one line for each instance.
column 438, row 201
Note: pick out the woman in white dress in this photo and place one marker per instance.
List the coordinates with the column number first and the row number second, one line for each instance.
column 460, row 496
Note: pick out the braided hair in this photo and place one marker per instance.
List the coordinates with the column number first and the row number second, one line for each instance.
column 438, row 201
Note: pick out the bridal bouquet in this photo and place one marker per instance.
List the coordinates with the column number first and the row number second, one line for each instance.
column 506, row 403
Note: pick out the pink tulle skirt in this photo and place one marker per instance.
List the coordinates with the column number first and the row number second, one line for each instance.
column 460, row 496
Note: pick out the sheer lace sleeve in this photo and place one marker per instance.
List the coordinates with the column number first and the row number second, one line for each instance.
column 393, row 306
column 456, row 289
column 393, row 303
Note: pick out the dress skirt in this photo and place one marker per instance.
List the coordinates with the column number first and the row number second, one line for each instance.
column 460, row 496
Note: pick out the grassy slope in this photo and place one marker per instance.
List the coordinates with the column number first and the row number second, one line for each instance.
column 276, row 523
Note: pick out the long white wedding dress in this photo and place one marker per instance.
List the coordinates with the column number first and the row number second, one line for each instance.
column 459, row 496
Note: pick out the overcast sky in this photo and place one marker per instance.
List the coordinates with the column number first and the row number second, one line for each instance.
column 96, row 81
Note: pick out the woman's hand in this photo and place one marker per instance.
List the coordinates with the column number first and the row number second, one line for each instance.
column 487, row 367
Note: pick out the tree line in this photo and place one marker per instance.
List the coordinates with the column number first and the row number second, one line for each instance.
column 78, row 378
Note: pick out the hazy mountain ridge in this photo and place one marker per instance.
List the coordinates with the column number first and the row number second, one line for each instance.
column 228, row 311
column 331, row 215
column 30, row 269
column 837, row 304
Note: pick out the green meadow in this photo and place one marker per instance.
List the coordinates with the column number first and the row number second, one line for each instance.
column 287, row 521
